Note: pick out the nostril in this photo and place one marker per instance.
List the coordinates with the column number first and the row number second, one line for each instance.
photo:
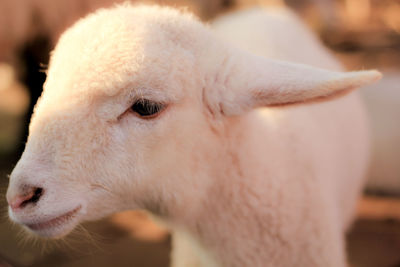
column 32, row 197
column 37, row 193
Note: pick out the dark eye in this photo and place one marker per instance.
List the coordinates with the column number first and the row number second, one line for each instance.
column 147, row 109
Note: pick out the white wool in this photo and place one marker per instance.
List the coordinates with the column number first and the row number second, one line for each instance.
column 239, row 162
column 275, row 33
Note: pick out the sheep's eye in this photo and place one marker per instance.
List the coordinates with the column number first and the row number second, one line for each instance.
column 147, row 109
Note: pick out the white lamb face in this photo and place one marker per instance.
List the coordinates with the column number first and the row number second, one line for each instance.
column 133, row 115
column 112, row 129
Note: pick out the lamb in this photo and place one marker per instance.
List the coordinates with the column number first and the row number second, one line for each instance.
column 250, row 161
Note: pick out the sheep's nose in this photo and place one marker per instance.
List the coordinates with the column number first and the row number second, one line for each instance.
column 31, row 195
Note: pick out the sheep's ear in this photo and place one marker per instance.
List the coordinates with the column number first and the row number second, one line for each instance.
column 250, row 81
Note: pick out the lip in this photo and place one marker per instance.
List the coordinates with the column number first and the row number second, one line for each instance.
column 57, row 221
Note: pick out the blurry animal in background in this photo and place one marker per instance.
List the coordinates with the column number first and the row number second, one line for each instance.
column 250, row 161
column 13, row 102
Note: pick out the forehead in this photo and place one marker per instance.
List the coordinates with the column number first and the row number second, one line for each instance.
column 112, row 49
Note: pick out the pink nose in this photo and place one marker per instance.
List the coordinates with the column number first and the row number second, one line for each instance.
column 20, row 201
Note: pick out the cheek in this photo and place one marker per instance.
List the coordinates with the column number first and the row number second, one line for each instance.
column 120, row 162
column 175, row 149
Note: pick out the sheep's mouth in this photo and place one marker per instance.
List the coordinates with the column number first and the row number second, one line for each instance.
column 55, row 222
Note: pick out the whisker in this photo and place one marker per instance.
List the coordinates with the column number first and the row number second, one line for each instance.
column 93, row 238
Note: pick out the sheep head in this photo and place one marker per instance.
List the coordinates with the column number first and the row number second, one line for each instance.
column 135, row 113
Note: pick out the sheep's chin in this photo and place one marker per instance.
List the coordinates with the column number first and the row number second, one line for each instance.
column 56, row 227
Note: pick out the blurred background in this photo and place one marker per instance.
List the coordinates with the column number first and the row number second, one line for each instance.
column 362, row 33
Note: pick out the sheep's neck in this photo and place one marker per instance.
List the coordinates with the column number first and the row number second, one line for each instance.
column 227, row 219
column 219, row 232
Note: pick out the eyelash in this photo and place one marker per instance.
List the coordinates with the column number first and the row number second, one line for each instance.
column 147, row 109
